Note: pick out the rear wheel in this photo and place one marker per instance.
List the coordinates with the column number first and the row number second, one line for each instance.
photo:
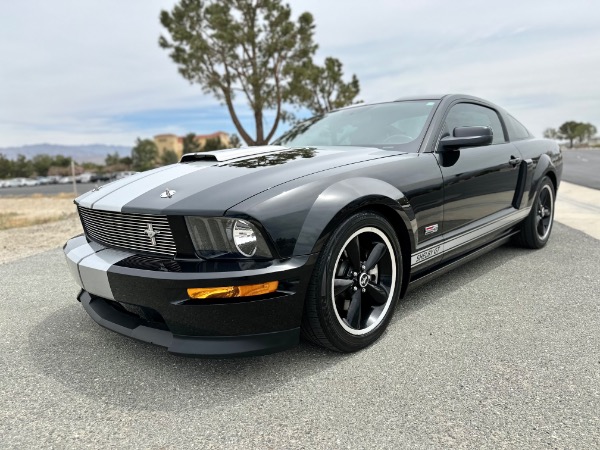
column 535, row 230
column 355, row 285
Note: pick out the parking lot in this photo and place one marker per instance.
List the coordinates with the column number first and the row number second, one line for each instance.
column 502, row 352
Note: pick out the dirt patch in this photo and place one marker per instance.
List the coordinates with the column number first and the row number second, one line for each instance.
column 30, row 225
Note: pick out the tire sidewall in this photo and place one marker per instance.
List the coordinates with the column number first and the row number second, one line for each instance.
column 539, row 243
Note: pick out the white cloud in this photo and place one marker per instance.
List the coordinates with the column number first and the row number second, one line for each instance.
column 71, row 71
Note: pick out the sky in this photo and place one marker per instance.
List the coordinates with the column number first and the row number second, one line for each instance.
column 82, row 72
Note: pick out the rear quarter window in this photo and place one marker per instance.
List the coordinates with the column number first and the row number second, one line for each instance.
column 516, row 130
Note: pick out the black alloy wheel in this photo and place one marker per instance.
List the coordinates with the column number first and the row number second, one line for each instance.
column 355, row 285
column 535, row 230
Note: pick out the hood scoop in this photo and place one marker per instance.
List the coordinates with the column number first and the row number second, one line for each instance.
column 229, row 154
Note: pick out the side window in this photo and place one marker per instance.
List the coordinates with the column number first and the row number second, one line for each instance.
column 518, row 131
column 469, row 115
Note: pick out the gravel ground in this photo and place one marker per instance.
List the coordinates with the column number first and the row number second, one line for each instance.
column 18, row 243
column 502, row 352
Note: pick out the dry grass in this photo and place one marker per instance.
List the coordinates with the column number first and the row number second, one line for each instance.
column 16, row 212
column 30, row 225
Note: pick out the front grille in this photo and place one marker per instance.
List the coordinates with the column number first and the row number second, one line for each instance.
column 128, row 231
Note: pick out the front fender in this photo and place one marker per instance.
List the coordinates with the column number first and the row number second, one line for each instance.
column 340, row 200
column 299, row 217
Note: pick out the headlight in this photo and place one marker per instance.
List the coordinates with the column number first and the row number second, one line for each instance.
column 226, row 238
column 244, row 238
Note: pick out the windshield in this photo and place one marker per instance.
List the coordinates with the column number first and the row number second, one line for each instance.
column 384, row 125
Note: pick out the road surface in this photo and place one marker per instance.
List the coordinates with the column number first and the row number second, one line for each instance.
column 500, row 353
column 582, row 167
column 48, row 189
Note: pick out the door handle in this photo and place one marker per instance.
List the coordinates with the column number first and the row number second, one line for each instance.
column 514, row 161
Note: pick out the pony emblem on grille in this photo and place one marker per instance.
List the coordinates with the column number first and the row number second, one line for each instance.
column 151, row 233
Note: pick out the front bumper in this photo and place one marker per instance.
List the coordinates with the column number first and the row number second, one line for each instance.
column 146, row 298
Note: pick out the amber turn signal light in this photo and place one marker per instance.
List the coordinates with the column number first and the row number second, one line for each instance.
column 233, row 291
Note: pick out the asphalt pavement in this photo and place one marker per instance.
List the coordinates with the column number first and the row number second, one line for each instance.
column 503, row 352
column 47, row 189
column 582, row 167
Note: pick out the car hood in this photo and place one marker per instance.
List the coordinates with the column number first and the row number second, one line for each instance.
column 212, row 182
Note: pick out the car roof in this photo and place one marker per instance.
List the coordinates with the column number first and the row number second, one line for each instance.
column 420, row 97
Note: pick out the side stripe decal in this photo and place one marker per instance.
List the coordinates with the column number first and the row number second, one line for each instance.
column 462, row 239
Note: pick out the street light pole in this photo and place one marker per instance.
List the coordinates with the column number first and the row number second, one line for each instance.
column 73, row 177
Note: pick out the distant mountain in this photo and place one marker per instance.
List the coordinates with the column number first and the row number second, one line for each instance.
column 94, row 153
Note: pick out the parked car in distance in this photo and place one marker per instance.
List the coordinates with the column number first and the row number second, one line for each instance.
column 43, row 180
column 16, row 182
column 100, row 177
column 85, row 177
column 65, row 180
column 242, row 251
column 120, row 175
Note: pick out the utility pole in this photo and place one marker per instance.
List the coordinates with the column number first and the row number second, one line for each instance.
column 73, row 177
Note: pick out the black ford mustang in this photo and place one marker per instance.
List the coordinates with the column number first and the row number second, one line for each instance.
column 242, row 251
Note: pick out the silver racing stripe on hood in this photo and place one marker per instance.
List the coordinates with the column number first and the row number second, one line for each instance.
column 115, row 199
column 89, row 198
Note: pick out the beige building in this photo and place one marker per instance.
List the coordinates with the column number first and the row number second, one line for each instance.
column 175, row 143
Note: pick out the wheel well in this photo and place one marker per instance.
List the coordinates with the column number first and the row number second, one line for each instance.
column 552, row 177
column 403, row 238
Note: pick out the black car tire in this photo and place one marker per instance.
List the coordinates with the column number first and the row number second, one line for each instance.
column 536, row 229
column 333, row 320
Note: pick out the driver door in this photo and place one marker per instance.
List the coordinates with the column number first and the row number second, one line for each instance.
column 479, row 182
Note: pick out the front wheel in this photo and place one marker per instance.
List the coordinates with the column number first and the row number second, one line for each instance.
column 355, row 285
column 535, row 230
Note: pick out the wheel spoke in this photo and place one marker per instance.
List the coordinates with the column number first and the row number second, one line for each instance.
column 341, row 285
column 353, row 317
column 353, row 249
column 377, row 293
column 375, row 255
column 543, row 197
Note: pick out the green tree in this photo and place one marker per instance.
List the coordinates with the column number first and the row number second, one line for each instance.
column 126, row 161
column 585, row 131
column 41, row 164
column 234, row 141
column 143, row 154
column 5, row 166
column 322, row 88
column 213, row 144
column 190, row 144
column 62, row 161
column 247, row 46
column 112, row 159
column 169, row 157
column 22, row 167
column 568, row 130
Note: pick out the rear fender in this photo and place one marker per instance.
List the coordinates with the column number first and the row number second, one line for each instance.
column 543, row 167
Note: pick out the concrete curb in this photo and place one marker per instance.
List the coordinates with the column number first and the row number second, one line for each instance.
column 578, row 207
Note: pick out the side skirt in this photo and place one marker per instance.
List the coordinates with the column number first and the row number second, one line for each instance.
column 452, row 264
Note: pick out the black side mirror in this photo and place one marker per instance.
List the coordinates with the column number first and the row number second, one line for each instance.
column 467, row 137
